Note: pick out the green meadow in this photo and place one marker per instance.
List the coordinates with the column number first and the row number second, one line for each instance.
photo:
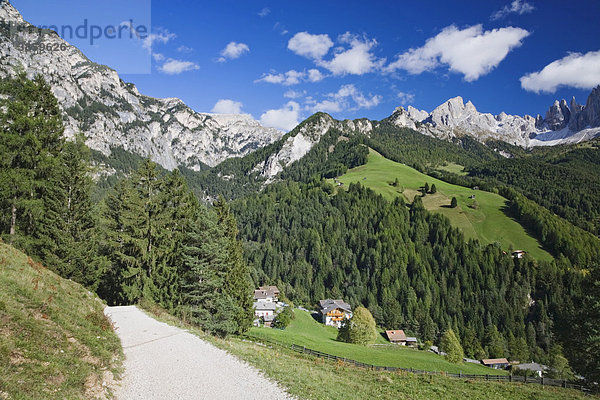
column 305, row 331
column 478, row 215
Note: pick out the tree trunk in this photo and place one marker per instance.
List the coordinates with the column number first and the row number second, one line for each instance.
column 13, row 221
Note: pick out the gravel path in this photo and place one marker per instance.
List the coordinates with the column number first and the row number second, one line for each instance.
column 164, row 362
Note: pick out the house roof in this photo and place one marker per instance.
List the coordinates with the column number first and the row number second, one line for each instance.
column 397, row 335
column 265, row 306
column 329, row 304
column 494, row 361
column 411, row 339
column 532, row 367
column 271, row 289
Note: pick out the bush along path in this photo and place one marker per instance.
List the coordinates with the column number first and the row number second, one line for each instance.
column 165, row 362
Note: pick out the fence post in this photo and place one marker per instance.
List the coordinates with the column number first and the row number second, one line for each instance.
column 542, row 381
column 565, row 383
column 460, row 374
column 487, row 377
column 525, row 380
column 510, row 378
column 303, row 349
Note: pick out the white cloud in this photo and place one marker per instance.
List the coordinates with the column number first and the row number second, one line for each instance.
column 158, row 57
column 264, row 12
column 176, row 67
column 314, row 75
column 293, row 94
column 184, row 49
column 226, row 106
column 576, row 70
column 405, row 98
column 292, row 77
column 289, row 78
column 516, row 7
column 310, row 46
column 233, row 50
column 348, row 97
column 285, row 118
column 470, row 51
column 357, row 60
column 163, row 37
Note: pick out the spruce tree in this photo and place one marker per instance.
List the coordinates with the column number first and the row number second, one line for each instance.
column 205, row 301
column 30, row 144
column 68, row 240
column 237, row 279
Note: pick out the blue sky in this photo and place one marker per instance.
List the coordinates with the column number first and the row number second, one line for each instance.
column 280, row 61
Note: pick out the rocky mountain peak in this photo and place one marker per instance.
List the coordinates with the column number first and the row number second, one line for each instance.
column 112, row 113
column 8, row 13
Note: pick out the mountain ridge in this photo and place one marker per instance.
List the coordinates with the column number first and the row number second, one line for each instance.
column 113, row 113
column 561, row 124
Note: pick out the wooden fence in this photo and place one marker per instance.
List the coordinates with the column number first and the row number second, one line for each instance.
column 496, row 378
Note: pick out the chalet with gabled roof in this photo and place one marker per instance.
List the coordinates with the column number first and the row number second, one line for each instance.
column 333, row 312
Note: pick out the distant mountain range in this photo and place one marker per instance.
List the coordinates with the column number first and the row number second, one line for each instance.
column 562, row 123
column 112, row 113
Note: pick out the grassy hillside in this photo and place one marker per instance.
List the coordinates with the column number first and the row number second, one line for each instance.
column 305, row 331
column 319, row 379
column 56, row 341
column 487, row 222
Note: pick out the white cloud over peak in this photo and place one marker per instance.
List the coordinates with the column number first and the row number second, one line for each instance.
column 405, row 98
column 292, row 77
column 309, row 45
column 470, row 51
column 516, row 7
column 233, row 50
column 348, row 97
column 357, row 60
column 285, row 118
column 226, row 106
column 576, row 70
column 176, row 67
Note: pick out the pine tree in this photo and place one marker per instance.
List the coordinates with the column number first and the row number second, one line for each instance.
column 451, row 346
column 68, row 237
column 30, row 144
column 494, row 342
column 205, row 301
column 433, row 189
column 453, row 203
column 237, row 279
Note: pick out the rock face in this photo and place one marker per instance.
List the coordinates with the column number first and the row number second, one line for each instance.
column 562, row 123
column 304, row 138
column 112, row 113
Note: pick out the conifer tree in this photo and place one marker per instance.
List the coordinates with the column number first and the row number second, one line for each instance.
column 31, row 141
column 237, row 279
column 205, row 302
column 68, row 238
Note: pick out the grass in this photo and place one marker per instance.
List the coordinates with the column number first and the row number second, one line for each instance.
column 453, row 168
column 487, row 222
column 306, row 377
column 309, row 378
column 56, row 341
column 305, row 331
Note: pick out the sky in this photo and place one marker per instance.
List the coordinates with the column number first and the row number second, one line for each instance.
column 281, row 61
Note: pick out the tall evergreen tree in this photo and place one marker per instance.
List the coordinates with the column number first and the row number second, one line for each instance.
column 31, row 141
column 237, row 279
column 68, row 240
